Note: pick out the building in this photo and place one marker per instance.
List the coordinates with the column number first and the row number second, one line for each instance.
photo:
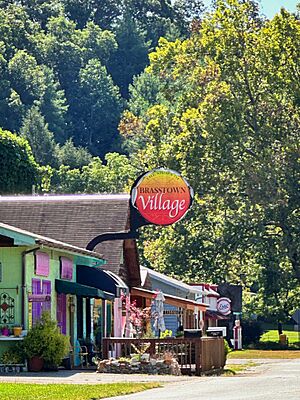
column 77, row 219
column 39, row 274
column 180, row 308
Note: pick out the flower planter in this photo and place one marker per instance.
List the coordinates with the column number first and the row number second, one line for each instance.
column 35, row 364
column 5, row 332
column 17, row 331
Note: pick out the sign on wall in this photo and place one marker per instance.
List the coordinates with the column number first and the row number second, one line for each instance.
column 162, row 196
column 224, row 305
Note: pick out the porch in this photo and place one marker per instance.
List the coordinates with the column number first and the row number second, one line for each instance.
column 194, row 355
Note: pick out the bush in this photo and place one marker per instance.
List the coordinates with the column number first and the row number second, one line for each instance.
column 19, row 170
column 270, row 345
column 227, row 348
column 44, row 340
column 14, row 355
column 252, row 331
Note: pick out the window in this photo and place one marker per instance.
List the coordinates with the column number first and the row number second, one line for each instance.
column 42, row 263
column 66, row 268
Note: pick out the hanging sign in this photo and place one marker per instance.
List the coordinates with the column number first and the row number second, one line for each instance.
column 162, row 196
column 224, row 305
column 38, row 298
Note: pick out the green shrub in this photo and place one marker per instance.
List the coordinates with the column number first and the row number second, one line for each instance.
column 252, row 331
column 19, row 171
column 44, row 340
column 227, row 348
column 14, row 355
column 271, row 345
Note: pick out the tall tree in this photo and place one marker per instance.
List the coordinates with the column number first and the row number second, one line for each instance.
column 41, row 140
column 131, row 56
column 98, row 108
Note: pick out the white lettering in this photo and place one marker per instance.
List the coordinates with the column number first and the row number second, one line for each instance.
column 156, row 202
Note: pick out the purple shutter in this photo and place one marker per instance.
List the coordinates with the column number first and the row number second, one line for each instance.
column 42, row 262
column 46, row 289
column 36, row 306
column 61, row 312
column 66, row 268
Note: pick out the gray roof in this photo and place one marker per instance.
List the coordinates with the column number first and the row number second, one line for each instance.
column 56, row 244
column 73, row 219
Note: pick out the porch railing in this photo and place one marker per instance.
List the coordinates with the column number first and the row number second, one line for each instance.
column 194, row 355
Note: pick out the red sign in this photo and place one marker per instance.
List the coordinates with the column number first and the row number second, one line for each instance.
column 224, row 306
column 162, row 196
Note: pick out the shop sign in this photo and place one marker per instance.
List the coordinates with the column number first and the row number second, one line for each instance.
column 173, row 312
column 162, row 196
column 224, row 305
column 38, row 298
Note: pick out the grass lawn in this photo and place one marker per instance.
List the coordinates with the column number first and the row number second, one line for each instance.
column 272, row 335
column 252, row 354
column 24, row 391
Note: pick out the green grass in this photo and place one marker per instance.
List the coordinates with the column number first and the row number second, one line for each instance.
column 233, row 369
column 252, row 354
column 24, row 391
column 272, row 335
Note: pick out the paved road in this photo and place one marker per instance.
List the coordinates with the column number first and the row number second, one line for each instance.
column 273, row 381
column 270, row 380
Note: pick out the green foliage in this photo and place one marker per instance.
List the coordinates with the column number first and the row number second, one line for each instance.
column 28, row 391
column 251, row 331
column 227, row 349
column 99, row 97
column 72, row 156
column 166, row 333
column 226, row 115
column 14, row 355
column 131, row 56
column 54, row 54
column 19, row 171
column 41, row 140
column 114, row 176
column 44, row 340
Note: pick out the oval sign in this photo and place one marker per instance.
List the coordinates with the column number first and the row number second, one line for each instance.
column 162, row 196
column 224, row 306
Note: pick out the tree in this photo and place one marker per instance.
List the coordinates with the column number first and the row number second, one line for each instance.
column 228, row 119
column 113, row 176
column 97, row 110
column 72, row 156
column 19, row 170
column 41, row 140
column 131, row 56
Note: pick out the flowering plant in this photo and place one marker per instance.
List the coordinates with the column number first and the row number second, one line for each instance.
column 138, row 317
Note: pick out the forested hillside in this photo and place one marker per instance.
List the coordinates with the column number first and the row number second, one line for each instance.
column 104, row 90
column 66, row 66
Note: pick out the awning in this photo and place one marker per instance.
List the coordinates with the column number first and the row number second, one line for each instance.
column 169, row 299
column 68, row 287
column 211, row 314
column 100, row 279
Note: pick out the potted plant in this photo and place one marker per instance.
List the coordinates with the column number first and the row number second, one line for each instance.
column 5, row 330
column 44, row 344
column 17, row 329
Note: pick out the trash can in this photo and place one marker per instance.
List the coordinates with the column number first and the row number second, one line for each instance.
column 192, row 333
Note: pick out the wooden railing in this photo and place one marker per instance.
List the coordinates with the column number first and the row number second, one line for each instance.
column 194, row 355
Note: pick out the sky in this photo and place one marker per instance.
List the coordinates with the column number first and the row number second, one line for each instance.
column 271, row 7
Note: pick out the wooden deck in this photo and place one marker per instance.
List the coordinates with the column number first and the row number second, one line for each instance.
column 194, row 355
